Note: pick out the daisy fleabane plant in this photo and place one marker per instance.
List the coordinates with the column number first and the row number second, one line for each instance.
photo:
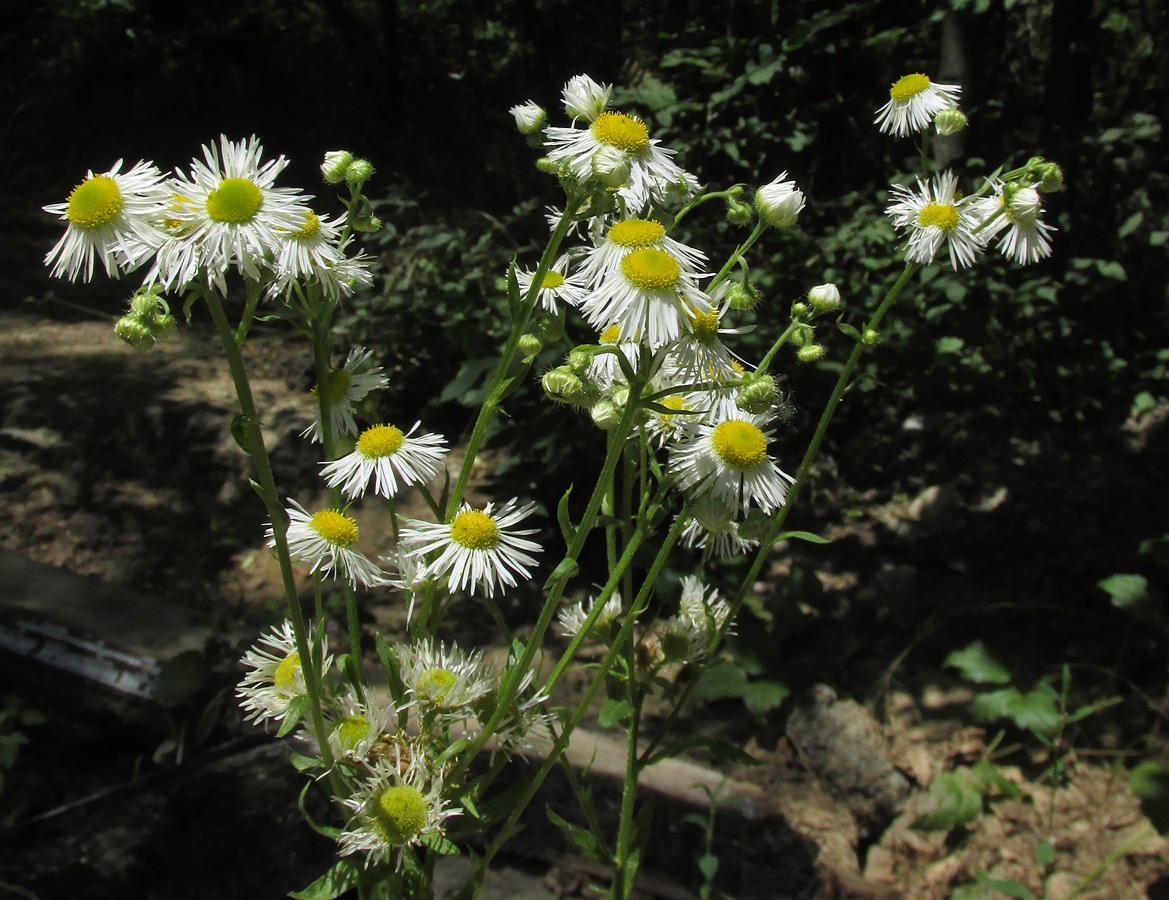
column 358, row 376
column 914, row 101
column 275, row 676
column 325, row 540
column 114, row 217
column 390, row 459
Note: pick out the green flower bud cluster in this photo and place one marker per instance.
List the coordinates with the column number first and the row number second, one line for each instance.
column 563, row 385
column 756, row 395
column 741, row 297
column 1049, row 174
column 148, row 321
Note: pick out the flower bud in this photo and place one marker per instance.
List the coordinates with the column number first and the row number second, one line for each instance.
column 779, row 203
column 712, row 513
column 581, row 356
column 359, row 172
column 563, row 385
column 335, row 164
column 949, row 121
column 810, row 352
column 584, row 98
column 606, row 414
column 611, row 166
column 870, row 337
column 802, row 335
column 824, row 297
column 163, row 325
column 739, row 213
column 1051, row 178
column 741, row 297
column 530, row 345
column 144, row 303
column 134, row 333
column 529, row 117
column 756, row 394
column 545, row 165
column 754, row 526
column 799, row 310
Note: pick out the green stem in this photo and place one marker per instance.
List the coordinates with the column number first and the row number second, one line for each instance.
column 491, row 403
column 279, row 520
column 733, row 261
column 779, row 342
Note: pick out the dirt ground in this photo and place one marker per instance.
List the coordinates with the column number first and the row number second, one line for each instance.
column 120, row 466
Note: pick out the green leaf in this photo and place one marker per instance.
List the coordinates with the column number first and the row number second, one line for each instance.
column 958, row 802
column 1038, row 713
column 803, row 536
column 1150, row 783
column 614, row 711
column 1007, row 886
column 722, row 749
column 567, row 529
column 849, row 330
column 324, row 830
column 994, row 705
column 292, row 717
column 978, row 664
column 987, row 775
column 1131, row 224
column 513, row 292
column 761, row 697
column 1111, row 269
column 1133, row 594
column 708, row 866
column 1045, row 853
column 723, row 679
column 439, row 844
column 343, row 877
column 580, row 838
column 303, row 763
column 945, row 345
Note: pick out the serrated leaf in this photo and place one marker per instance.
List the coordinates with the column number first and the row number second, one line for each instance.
column 1007, row 886
column 761, row 697
column 614, row 711
column 978, row 664
column 723, row 679
column 343, row 877
column 958, row 803
column 1132, row 594
column 1149, row 781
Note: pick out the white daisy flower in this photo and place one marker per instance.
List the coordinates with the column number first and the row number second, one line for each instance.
column 913, row 102
column 605, row 368
column 584, row 98
column 275, row 677
column 572, row 619
column 392, row 459
column 399, row 804
column 227, row 213
column 648, row 296
column 325, row 541
column 723, row 542
column 311, row 250
column 355, row 725
column 557, row 286
column 114, row 217
column 347, row 386
column 653, row 176
column 699, row 355
column 666, row 427
column 1025, row 240
column 524, row 725
column 442, row 679
column 626, row 236
column 779, row 202
column 934, row 217
column 478, row 550
column 686, row 636
column 730, row 460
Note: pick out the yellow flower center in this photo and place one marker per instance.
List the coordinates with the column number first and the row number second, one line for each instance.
column 552, row 280
column 739, row 444
column 634, row 233
column 339, row 381
column 650, row 269
column 236, row 200
column 623, row 131
column 400, row 813
column 435, row 684
column 286, row 672
column 909, row 86
column 475, row 530
column 379, row 441
column 94, row 203
column 610, row 334
column 351, row 730
column 705, row 326
column 335, row 527
column 310, row 228
column 944, row 215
